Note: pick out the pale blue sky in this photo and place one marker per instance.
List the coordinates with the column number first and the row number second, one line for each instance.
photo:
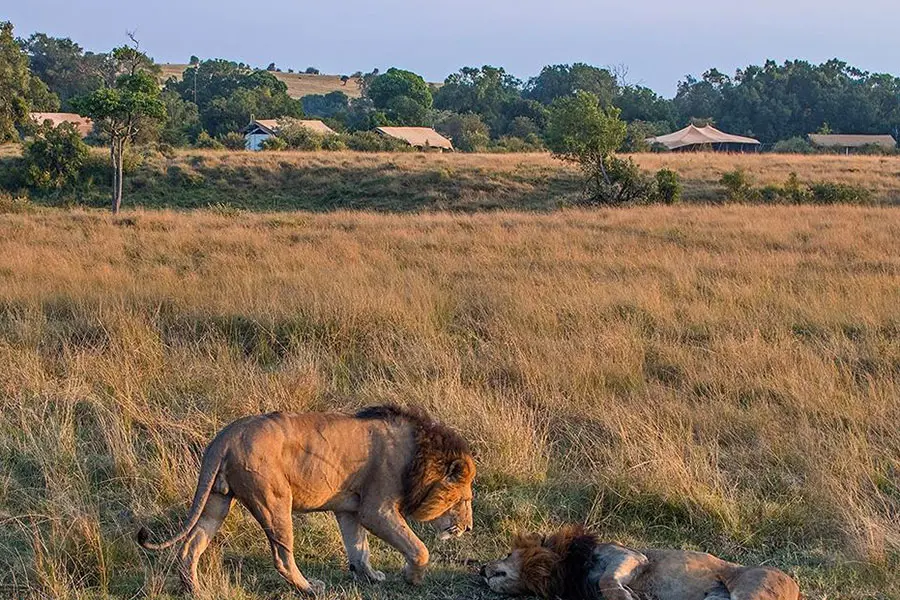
column 658, row 41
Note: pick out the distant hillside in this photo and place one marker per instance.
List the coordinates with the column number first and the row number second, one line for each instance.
column 299, row 84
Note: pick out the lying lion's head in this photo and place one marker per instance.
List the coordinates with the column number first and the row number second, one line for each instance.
column 528, row 569
column 539, row 564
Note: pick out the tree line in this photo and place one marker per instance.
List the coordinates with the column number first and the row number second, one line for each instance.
column 485, row 107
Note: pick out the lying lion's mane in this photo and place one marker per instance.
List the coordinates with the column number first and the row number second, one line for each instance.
column 559, row 566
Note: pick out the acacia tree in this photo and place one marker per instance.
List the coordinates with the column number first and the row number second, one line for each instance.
column 125, row 110
column 581, row 130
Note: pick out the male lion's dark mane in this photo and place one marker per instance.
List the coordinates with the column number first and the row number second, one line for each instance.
column 437, row 448
column 569, row 554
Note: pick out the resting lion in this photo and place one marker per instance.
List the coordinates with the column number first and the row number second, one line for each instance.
column 373, row 470
column 574, row 565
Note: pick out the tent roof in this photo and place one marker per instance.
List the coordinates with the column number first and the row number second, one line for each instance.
column 270, row 126
column 852, row 141
column 418, row 136
column 692, row 136
column 83, row 124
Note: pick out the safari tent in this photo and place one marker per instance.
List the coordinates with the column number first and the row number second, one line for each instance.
column 850, row 142
column 418, row 137
column 693, row 137
column 83, row 124
column 259, row 130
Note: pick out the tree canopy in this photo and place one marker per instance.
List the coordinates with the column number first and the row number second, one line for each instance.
column 20, row 91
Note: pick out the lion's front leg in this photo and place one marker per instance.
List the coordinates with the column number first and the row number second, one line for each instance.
column 357, row 546
column 389, row 525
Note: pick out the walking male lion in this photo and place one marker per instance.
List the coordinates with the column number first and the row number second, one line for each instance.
column 573, row 565
column 373, row 470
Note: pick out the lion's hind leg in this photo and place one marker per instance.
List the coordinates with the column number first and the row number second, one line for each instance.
column 274, row 516
column 198, row 538
column 762, row 583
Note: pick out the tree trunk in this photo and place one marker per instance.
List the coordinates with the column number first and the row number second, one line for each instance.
column 114, row 163
column 121, row 169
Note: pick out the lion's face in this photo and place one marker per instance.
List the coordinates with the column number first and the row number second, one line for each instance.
column 448, row 504
column 503, row 576
column 456, row 521
column 528, row 569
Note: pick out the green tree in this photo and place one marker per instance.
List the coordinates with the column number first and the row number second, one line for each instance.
column 126, row 110
column 182, row 123
column 54, row 156
column 327, row 105
column 20, row 90
column 580, row 130
column 64, row 66
column 467, row 132
column 403, row 96
column 229, row 94
column 558, row 81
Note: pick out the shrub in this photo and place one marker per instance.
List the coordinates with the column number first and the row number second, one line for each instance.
column 794, row 145
column 794, row 191
column 299, row 137
column 467, row 131
column 737, row 184
column 14, row 204
column 274, row 143
column 668, row 186
column 370, row 141
column 838, row 193
column 233, row 141
column 54, row 158
column 334, row 142
column 207, row 142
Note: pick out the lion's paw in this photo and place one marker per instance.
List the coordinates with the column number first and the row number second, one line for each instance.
column 413, row 574
column 316, row 587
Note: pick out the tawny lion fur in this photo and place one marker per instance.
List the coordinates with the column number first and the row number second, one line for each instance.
column 373, row 470
column 573, row 565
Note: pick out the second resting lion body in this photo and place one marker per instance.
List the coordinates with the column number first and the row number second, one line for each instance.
column 372, row 470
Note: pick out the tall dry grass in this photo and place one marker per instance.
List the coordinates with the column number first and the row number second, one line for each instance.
column 724, row 379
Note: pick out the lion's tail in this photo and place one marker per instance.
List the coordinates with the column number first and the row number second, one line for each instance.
column 209, row 469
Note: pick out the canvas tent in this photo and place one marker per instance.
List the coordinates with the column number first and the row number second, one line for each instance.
column 418, row 137
column 259, row 130
column 846, row 142
column 700, row 136
column 82, row 124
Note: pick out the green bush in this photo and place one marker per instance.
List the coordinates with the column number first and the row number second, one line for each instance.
column 738, row 185
column 794, row 191
column 54, row 157
column 274, row 144
column 207, row 142
column 370, row 141
column 668, row 186
column 10, row 204
column 794, row 145
column 334, row 142
column 300, row 137
column 233, row 141
column 838, row 193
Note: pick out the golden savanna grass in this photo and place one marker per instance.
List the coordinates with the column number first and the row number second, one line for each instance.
column 724, row 379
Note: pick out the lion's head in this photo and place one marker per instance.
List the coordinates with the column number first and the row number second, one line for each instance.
column 545, row 566
column 437, row 485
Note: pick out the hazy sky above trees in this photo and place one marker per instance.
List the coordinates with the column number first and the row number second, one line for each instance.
column 659, row 41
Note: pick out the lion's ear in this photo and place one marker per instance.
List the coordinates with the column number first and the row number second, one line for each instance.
column 457, row 471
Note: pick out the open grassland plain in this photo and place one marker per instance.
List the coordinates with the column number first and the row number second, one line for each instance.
column 298, row 84
column 414, row 181
column 715, row 378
